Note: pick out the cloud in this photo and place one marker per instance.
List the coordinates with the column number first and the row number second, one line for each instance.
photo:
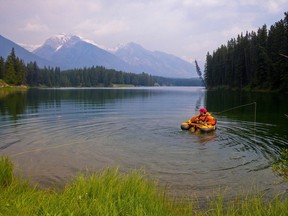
column 34, row 27
column 269, row 6
column 276, row 5
column 102, row 27
column 188, row 28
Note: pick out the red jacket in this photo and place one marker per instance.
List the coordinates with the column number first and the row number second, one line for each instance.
column 204, row 118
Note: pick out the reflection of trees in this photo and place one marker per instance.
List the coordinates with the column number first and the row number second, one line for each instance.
column 92, row 96
column 270, row 106
column 13, row 103
column 18, row 102
column 198, row 102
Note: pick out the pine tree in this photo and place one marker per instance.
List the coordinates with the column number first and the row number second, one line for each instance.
column 20, row 72
column 9, row 75
column 33, row 73
column 256, row 60
column 2, row 67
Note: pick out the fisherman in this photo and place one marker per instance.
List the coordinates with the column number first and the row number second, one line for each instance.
column 204, row 118
column 203, row 122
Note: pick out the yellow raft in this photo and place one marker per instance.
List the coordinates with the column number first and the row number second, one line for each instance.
column 194, row 127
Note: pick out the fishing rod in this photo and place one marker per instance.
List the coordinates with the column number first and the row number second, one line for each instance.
column 249, row 104
column 283, row 55
column 237, row 107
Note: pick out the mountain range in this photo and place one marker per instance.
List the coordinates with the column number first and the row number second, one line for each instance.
column 70, row 51
column 6, row 46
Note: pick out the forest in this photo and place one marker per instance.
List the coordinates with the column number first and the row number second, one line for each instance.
column 14, row 72
column 254, row 61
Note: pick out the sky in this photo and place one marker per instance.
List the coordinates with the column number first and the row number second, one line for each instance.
column 185, row 28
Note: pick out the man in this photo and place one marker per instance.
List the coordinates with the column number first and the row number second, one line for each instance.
column 204, row 118
column 203, row 122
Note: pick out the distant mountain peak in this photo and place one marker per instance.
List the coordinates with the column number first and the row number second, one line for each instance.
column 128, row 46
column 154, row 62
column 23, row 54
column 135, row 47
column 57, row 41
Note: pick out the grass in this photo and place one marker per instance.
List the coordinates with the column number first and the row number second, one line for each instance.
column 281, row 165
column 122, row 85
column 6, row 89
column 110, row 192
column 6, row 172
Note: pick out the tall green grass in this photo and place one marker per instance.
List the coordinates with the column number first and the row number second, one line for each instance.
column 6, row 172
column 111, row 192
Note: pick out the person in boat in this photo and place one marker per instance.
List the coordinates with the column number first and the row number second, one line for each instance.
column 204, row 118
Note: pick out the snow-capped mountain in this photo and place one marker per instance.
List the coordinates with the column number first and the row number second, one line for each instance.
column 6, row 46
column 53, row 44
column 70, row 51
column 157, row 63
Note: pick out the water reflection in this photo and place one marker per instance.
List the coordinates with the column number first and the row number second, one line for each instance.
column 54, row 133
column 270, row 106
column 12, row 103
column 16, row 103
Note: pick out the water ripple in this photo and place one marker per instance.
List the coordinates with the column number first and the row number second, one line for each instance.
column 143, row 131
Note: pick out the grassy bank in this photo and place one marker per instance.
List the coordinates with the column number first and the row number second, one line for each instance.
column 110, row 192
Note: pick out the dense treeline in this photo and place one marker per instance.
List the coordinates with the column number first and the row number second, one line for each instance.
column 97, row 76
column 13, row 71
column 255, row 60
column 163, row 81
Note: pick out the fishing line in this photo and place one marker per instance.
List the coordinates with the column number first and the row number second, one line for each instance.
column 254, row 103
column 255, row 113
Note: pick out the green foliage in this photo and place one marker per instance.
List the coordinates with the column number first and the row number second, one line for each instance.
column 6, row 172
column 100, row 76
column 162, row 81
column 104, row 193
column 253, row 60
column 14, row 70
column 281, row 165
column 110, row 192
column 2, row 67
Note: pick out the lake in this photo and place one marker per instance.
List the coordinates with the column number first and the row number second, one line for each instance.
column 53, row 134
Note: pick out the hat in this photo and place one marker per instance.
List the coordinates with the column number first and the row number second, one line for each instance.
column 203, row 110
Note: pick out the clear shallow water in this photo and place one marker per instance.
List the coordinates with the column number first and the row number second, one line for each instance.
column 52, row 134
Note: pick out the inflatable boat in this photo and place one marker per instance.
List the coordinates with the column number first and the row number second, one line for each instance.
column 195, row 127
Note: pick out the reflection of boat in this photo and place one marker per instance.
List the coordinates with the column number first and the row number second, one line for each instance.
column 194, row 127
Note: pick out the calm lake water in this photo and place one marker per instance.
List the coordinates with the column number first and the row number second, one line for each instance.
column 52, row 134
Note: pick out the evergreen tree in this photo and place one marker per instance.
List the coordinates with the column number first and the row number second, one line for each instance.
column 57, row 76
column 2, row 67
column 33, row 74
column 9, row 75
column 20, row 72
column 263, row 61
column 256, row 60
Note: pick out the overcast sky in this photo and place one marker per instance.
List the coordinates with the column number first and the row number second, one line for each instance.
column 185, row 28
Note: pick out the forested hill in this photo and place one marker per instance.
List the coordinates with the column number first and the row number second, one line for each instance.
column 13, row 71
column 256, row 60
